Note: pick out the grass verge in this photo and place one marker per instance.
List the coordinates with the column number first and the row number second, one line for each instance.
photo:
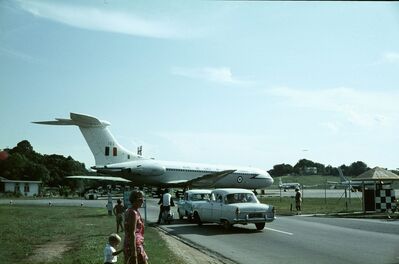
column 37, row 234
column 283, row 205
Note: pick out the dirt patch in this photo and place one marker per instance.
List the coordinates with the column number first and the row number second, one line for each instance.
column 48, row 252
column 188, row 253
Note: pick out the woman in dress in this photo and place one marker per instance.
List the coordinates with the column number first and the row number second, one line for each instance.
column 134, row 231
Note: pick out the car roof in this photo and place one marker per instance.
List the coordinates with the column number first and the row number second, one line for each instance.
column 232, row 190
column 198, row 191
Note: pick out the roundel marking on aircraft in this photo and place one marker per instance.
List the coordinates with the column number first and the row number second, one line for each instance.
column 239, row 179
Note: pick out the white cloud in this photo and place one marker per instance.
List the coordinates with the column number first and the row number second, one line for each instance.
column 220, row 75
column 362, row 108
column 101, row 20
column 391, row 57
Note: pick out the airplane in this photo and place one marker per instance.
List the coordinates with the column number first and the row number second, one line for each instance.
column 347, row 183
column 113, row 159
column 288, row 185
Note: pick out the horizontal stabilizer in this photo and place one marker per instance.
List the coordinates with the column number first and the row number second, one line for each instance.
column 77, row 120
column 102, row 178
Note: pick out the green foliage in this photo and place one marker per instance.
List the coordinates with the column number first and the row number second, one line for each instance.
column 23, row 163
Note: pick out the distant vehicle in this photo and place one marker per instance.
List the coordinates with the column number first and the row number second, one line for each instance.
column 191, row 197
column 114, row 160
column 91, row 195
column 228, row 207
column 288, row 185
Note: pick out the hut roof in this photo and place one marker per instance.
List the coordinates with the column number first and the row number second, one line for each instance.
column 377, row 174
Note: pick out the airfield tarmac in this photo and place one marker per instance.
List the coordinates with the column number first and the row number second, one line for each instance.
column 292, row 239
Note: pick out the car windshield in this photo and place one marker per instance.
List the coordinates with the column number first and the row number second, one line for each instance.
column 199, row 196
column 240, row 198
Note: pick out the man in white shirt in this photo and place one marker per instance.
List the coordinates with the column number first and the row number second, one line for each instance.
column 165, row 203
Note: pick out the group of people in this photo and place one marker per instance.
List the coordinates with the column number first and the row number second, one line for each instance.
column 130, row 222
column 133, row 226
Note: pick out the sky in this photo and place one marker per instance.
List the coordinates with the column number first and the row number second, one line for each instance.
column 250, row 83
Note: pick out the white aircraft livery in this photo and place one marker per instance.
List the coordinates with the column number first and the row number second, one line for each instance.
column 112, row 159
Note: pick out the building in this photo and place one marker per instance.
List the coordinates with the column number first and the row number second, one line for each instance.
column 26, row 188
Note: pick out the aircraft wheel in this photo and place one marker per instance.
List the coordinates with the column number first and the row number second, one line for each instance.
column 260, row 226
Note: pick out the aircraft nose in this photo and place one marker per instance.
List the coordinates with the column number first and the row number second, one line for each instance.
column 266, row 177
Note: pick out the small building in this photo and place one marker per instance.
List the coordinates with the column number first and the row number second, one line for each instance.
column 309, row 170
column 26, row 188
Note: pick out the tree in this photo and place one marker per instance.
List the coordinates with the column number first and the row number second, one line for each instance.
column 357, row 168
column 281, row 169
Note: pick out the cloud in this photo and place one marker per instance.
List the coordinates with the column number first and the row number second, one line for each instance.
column 220, row 75
column 391, row 57
column 101, row 20
column 362, row 108
column 16, row 54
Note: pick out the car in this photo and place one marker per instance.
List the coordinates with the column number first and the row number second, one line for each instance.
column 233, row 206
column 191, row 197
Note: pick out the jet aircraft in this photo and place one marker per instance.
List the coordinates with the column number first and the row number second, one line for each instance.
column 288, row 185
column 347, row 183
column 113, row 159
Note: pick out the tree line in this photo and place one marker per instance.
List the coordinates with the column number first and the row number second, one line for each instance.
column 302, row 167
column 23, row 163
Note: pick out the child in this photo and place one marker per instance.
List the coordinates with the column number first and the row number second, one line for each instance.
column 110, row 254
column 118, row 210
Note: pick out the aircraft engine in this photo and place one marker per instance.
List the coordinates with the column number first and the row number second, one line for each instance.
column 147, row 168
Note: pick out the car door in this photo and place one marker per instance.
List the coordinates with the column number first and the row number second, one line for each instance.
column 217, row 207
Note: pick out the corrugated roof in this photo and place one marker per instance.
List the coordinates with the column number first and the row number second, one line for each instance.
column 377, row 174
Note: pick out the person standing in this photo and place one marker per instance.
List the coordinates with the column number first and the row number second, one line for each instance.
column 118, row 210
column 134, row 231
column 165, row 202
column 298, row 201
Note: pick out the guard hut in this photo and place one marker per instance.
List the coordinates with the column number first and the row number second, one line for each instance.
column 378, row 194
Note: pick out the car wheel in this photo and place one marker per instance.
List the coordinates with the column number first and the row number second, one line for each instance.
column 226, row 225
column 260, row 226
column 180, row 215
column 197, row 218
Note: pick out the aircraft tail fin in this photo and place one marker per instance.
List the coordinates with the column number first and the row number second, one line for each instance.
column 341, row 175
column 102, row 143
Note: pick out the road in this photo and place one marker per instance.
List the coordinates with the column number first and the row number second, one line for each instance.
column 295, row 239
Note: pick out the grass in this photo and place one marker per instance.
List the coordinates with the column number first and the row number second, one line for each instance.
column 314, row 205
column 24, row 228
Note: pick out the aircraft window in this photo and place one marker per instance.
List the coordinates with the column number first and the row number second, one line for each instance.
column 106, row 151
column 115, row 151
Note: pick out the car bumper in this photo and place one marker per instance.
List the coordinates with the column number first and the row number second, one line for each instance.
column 248, row 220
